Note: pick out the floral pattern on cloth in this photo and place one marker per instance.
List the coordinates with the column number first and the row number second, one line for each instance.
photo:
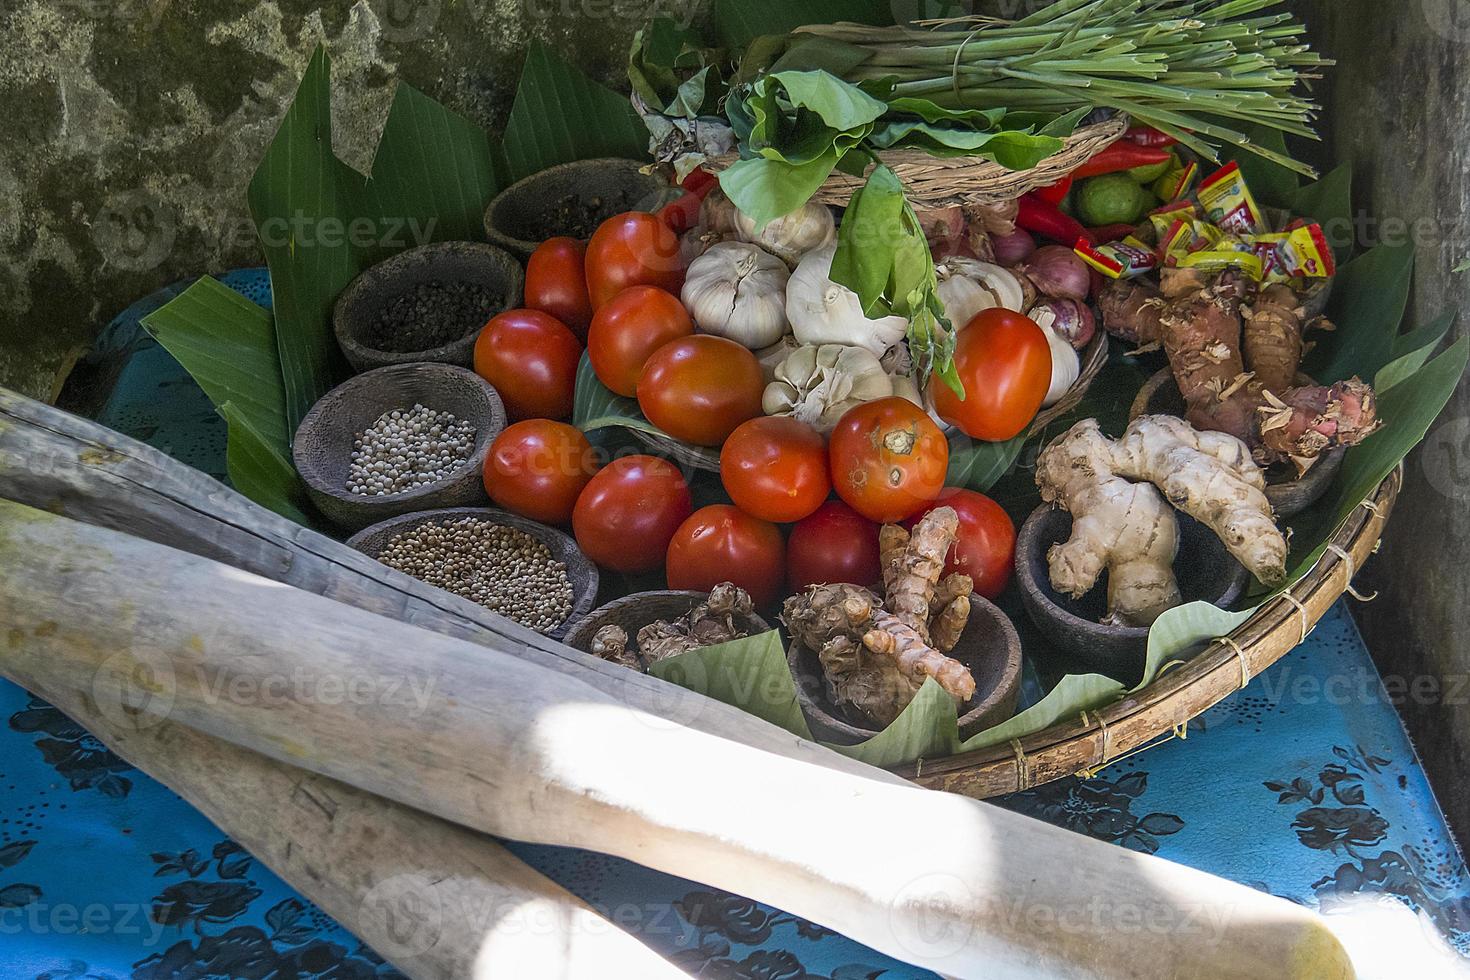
column 1237, row 799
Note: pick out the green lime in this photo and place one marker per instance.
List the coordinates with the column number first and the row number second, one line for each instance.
column 1151, row 172
column 1069, row 202
column 1112, row 199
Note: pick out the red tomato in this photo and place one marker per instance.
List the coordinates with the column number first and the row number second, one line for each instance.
column 700, row 182
column 721, row 543
column 626, row 332
column 531, row 359
column 888, row 459
column 556, row 283
column 986, row 547
column 700, row 388
column 1004, row 362
column 628, row 512
column 538, row 469
column 836, row 544
column 633, row 249
column 776, row 469
column 683, row 214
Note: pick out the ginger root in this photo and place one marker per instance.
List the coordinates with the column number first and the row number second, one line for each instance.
column 1121, row 522
column 876, row 655
column 1234, row 351
column 724, row 616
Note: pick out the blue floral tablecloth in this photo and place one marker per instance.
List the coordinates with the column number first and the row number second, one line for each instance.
column 1304, row 785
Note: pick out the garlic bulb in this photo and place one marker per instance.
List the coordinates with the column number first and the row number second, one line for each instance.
column 824, row 312
column 1066, row 367
column 819, row 384
column 968, row 286
column 804, row 230
column 738, row 291
column 771, row 357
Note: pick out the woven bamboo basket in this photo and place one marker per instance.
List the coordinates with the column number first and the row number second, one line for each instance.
column 1162, row 711
column 935, row 183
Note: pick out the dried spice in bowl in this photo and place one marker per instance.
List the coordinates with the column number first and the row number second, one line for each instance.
column 430, row 315
column 502, row 568
column 404, row 450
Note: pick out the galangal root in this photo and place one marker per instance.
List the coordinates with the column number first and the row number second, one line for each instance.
column 725, row 616
column 876, row 655
column 1120, row 492
column 1234, row 351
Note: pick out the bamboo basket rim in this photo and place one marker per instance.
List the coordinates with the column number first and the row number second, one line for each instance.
column 1160, row 712
column 936, row 183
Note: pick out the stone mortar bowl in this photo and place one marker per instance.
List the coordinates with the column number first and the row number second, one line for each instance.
column 569, row 200
column 360, row 307
column 322, row 449
column 581, row 572
column 990, row 648
column 1205, row 570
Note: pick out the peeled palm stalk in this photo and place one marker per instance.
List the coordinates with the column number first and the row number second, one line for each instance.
column 434, row 899
column 560, row 756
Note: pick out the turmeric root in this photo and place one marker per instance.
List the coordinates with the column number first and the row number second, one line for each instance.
column 950, row 622
column 1274, row 336
column 892, row 638
column 917, row 569
column 1119, row 525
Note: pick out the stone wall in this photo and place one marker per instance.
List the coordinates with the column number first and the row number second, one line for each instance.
column 133, row 126
column 1395, row 108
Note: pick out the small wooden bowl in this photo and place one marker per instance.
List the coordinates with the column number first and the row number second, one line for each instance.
column 530, row 211
column 322, row 449
column 633, row 612
column 1205, row 569
column 989, row 647
column 581, row 572
column 360, row 306
column 1288, row 493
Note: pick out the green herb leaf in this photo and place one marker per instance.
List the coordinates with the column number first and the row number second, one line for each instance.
column 1329, row 202
column 1368, row 301
column 228, row 345
column 595, row 406
column 561, row 116
column 1412, row 351
column 321, row 222
column 981, row 465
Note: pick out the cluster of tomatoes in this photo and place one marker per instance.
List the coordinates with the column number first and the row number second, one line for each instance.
column 886, row 460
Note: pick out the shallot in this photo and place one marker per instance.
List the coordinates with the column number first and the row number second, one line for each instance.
column 1056, row 270
column 1070, row 319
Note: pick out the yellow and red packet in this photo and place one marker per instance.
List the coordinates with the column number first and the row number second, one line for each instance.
column 1123, row 259
column 1228, row 203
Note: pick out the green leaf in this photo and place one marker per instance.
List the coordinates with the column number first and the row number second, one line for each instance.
column 1417, row 347
column 561, row 116
column 769, row 189
column 980, row 465
column 741, row 673
column 321, row 222
column 298, row 189
column 927, row 729
column 1179, row 634
column 1368, row 301
column 841, row 105
column 262, row 471
column 1329, row 203
column 227, row 344
column 595, row 406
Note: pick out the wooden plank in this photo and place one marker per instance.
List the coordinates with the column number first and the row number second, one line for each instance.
column 484, row 738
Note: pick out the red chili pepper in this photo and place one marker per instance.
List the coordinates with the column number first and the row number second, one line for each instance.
column 1054, row 193
column 1110, row 233
column 1041, row 218
column 1148, row 136
column 682, row 214
column 1121, row 156
column 700, row 182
